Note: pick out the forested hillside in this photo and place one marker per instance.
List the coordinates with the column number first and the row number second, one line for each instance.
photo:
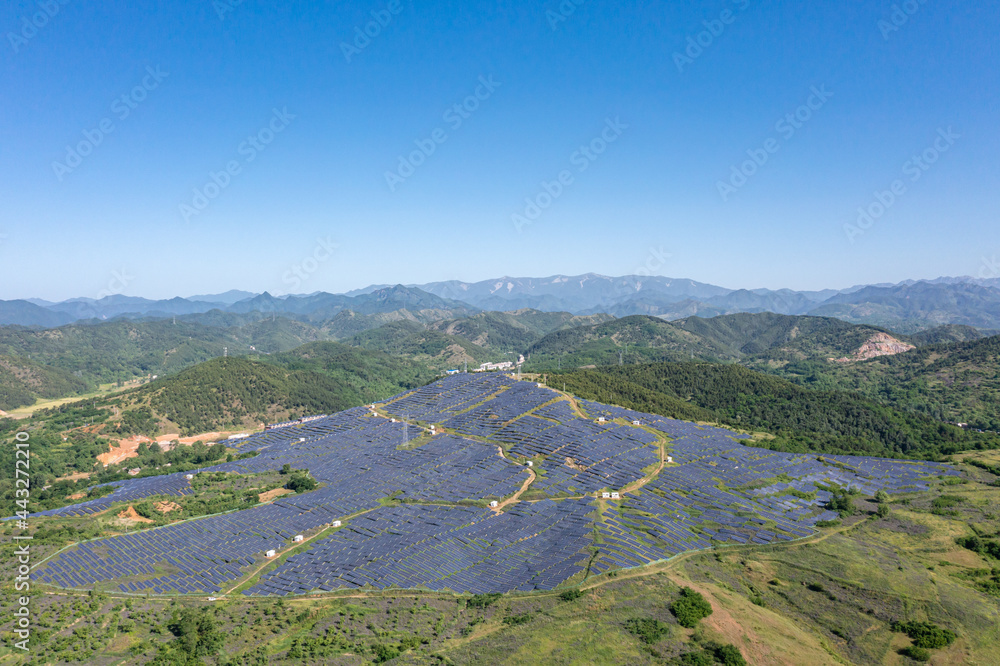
column 801, row 419
column 22, row 382
column 122, row 350
column 956, row 382
column 237, row 392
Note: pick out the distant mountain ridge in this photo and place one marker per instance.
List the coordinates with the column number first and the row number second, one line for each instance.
column 906, row 307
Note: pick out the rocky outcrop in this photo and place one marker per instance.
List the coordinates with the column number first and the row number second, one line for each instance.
column 880, row 344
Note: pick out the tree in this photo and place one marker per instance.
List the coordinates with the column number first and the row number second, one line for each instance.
column 883, row 511
column 882, row 497
column 301, row 482
column 690, row 608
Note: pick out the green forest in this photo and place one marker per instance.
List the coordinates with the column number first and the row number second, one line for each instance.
column 800, row 419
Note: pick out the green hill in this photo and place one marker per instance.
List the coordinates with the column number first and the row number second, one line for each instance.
column 957, row 382
column 22, row 382
column 516, row 330
column 428, row 347
column 222, row 393
column 801, row 419
column 122, row 350
column 636, row 339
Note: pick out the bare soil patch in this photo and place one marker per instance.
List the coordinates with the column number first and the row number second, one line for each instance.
column 167, row 507
column 272, row 494
column 130, row 514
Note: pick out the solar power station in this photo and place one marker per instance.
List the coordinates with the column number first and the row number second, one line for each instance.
column 418, row 516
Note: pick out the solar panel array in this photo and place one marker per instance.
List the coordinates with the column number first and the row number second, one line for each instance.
column 717, row 490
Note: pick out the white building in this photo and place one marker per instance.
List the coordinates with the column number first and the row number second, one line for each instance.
column 494, row 504
column 669, row 459
column 503, row 365
column 530, row 464
column 605, row 495
column 616, row 496
column 601, row 419
column 189, row 476
column 297, row 538
column 336, row 523
column 269, row 553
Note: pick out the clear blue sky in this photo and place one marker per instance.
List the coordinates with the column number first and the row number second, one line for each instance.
column 556, row 81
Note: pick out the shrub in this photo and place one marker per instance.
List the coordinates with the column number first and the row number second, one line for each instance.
column 647, row 629
column 700, row 658
column 301, row 483
column 514, row 620
column 842, row 503
column 482, row 600
column 690, row 608
column 729, row 655
column 947, row 501
column 883, row 511
column 571, row 595
column 925, row 634
column 915, row 653
column 384, row 653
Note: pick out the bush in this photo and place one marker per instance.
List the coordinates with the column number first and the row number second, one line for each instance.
column 842, row 503
column 915, row 653
column 482, row 600
column 700, row 658
column 515, row 620
column 647, row 629
column 384, row 653
column 729, row 655
column 690, row 608
column 883, row 511
column 571, row 595
column 925, row 634
column 301, row 483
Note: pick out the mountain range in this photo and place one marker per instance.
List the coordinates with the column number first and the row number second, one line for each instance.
column 905, row 307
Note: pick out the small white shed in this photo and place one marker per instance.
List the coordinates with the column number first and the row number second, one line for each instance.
column 336, row 523
column 270, row 553
column 605, row 495
column 297, row 538
column 616, row 496
column 494, row 504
